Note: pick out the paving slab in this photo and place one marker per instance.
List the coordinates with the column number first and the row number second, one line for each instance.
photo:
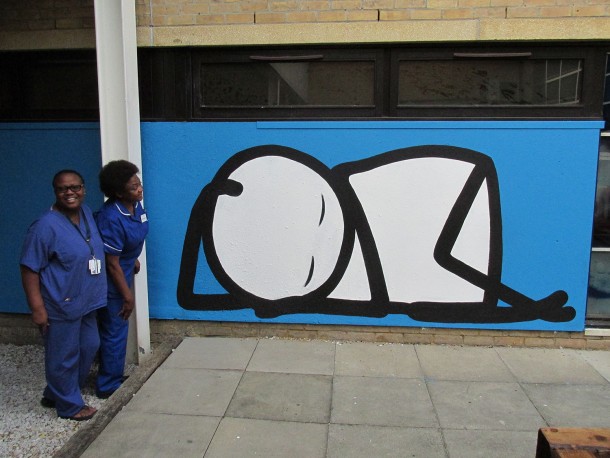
column 377, row 360
column 364, row 441
column 212, row 353
column 282, row 397
column 293, row 356
column 489, row 443
column 138, row 434
column 187, row 391
column 384, row 401
column 440, row 362
column 572, row 405
column 599, row 360
column 484, row 405
column 540, row 365
column 241, row 437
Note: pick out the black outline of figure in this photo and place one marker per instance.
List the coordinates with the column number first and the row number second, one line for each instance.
column 521, row 308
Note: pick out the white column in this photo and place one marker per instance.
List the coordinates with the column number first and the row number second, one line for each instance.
column 117, row 74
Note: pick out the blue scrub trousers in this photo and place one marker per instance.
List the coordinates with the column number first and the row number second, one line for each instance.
column 113, row 346
column 70, row 348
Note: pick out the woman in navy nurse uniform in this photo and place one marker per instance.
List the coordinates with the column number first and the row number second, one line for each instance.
column 123, row 225
column 62, row 264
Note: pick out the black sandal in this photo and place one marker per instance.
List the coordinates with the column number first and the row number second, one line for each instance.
column 47, row 403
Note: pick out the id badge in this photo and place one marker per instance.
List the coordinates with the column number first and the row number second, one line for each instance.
column 95, row 266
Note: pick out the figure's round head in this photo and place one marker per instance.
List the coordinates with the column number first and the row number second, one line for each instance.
column 69, row 188
column 277, row 228
column 119, row 181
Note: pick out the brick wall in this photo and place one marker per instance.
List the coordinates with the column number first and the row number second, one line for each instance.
column 197, row 12
column 22, row 15
column 18, row 329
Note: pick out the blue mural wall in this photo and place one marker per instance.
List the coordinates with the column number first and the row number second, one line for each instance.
column 511, row 248
column 30, row 154
column 516, row 227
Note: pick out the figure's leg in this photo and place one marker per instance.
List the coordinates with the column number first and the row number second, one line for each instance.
column 113, row 346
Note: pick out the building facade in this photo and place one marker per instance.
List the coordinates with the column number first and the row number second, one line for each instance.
column 414, row 171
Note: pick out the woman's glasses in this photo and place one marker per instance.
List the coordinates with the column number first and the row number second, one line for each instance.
column 65, row 189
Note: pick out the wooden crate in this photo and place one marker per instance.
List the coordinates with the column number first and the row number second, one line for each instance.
column 573, row 443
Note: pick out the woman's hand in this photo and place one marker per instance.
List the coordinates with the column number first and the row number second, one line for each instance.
column 41, row 319
column 136, row 267
column 31, row 286
column 128, row 305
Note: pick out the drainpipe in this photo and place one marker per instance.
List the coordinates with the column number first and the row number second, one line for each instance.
column 117, row 75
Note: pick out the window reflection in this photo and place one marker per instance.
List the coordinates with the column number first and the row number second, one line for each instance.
column 601, row 220
column 598, row 303
column 288, row 84
column 490, row 82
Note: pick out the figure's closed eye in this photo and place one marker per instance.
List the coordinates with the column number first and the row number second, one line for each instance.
column 323, row 210
column 311, row 267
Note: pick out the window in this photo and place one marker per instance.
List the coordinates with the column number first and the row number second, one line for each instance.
column 476, row 82
column 598, row 301
column 496, row 82
column 49, row 85
column 287, row 83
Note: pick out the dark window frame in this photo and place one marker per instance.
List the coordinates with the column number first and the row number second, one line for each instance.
column 168, row 80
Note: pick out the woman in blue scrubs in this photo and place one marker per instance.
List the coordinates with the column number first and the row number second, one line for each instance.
column 123, row 225
column 62, row 265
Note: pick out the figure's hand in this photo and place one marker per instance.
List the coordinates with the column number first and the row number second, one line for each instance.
column 41, row 319
column 128, row 305
column 136, row 267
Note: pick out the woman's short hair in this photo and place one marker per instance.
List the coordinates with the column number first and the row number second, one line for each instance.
column 66, row 172
column 115, row 175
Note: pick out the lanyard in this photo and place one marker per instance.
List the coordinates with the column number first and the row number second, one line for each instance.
column 87, row 236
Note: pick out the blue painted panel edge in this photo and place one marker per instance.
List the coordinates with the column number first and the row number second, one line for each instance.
column 430, row 125
column 49, row 125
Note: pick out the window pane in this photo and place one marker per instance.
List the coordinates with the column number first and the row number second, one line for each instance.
column 490, row 82
column 598, row 302
column 60, row 86
column 258, row 84
column 601, row 220
column 607, row 90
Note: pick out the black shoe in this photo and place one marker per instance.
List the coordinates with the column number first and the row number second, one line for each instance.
column 104, row 394
column 48, row 403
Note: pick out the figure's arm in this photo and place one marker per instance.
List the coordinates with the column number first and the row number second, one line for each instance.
column 31, row 286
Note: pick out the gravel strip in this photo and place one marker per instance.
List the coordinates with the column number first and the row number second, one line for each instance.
column 29, row 430
column 26, row 428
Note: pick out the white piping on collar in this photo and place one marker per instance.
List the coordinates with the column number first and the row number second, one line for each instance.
column 122, row 212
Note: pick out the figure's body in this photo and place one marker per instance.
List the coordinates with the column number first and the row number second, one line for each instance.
column 61, row 269
column 123, row 224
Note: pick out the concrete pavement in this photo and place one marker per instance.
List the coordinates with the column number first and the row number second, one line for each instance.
column 229, row 397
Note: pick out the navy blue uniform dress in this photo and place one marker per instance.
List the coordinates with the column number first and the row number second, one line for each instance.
column 123, row 235
column 59, row 252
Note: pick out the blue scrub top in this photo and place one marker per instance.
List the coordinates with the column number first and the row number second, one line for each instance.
column 56, row 250
column 123, row 235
